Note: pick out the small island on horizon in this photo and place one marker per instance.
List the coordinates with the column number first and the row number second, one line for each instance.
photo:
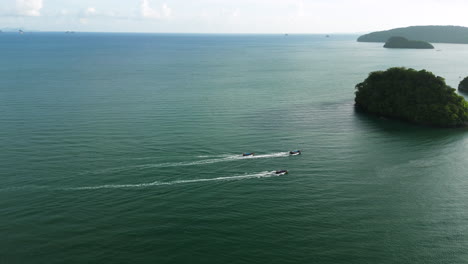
column 404, row 43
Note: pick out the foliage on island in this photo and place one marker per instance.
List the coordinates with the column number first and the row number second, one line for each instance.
column 414, row 96
column 463, row 86
column 404, row 43
column 432, row 34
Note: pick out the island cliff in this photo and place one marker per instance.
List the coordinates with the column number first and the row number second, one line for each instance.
column 403, row 43
column 432, row 34
column 463, row 86
column 414, row 96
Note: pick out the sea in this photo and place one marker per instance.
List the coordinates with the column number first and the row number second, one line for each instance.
column 127, row 148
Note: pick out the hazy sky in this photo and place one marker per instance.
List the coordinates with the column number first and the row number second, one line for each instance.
column 233, row 16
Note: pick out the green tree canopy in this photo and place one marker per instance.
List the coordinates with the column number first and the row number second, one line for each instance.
column 414, row 96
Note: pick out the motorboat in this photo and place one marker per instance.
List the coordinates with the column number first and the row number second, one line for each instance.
column 295, row 152
column 248, row 154
column 281, row 172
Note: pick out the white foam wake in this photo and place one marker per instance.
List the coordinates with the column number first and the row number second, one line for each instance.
column 264, row 174
column 211, row 161
column 188, row 163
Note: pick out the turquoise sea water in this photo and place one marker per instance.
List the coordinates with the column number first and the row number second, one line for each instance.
column 126, row 148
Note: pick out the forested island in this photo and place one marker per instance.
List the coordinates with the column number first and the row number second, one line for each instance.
column 463, row 86
column 432, row 34
column 404, row 43
column 415, row 96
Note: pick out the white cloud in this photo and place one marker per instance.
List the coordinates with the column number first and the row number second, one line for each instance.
column 166, row 11
column 235, row 13
column 85, row 15
column 29, row 7
column 90, row 11
column 148, row 12
column 300, row 9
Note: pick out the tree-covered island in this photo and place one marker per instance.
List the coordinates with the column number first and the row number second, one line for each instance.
column 404, row 43
column 415, row 96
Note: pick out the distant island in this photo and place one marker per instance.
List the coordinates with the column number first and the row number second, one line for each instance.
column 463, row 86
column 414, row 96
column 432, row 34
column 404, row 43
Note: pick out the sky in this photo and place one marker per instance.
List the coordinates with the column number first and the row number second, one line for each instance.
column 233, row 16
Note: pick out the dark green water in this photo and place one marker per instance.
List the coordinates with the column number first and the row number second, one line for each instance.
column 123, row 148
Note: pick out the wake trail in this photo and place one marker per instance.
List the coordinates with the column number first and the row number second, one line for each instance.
column 211, row 161
column 264, row 174
column 191, row 163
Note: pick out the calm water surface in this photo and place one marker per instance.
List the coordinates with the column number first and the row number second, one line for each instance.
column 126, row 148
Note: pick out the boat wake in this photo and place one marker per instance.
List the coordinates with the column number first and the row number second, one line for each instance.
column 211, row 161
column 190, row 163
column 264, row 174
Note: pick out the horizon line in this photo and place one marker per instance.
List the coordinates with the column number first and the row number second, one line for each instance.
column 187, row 33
